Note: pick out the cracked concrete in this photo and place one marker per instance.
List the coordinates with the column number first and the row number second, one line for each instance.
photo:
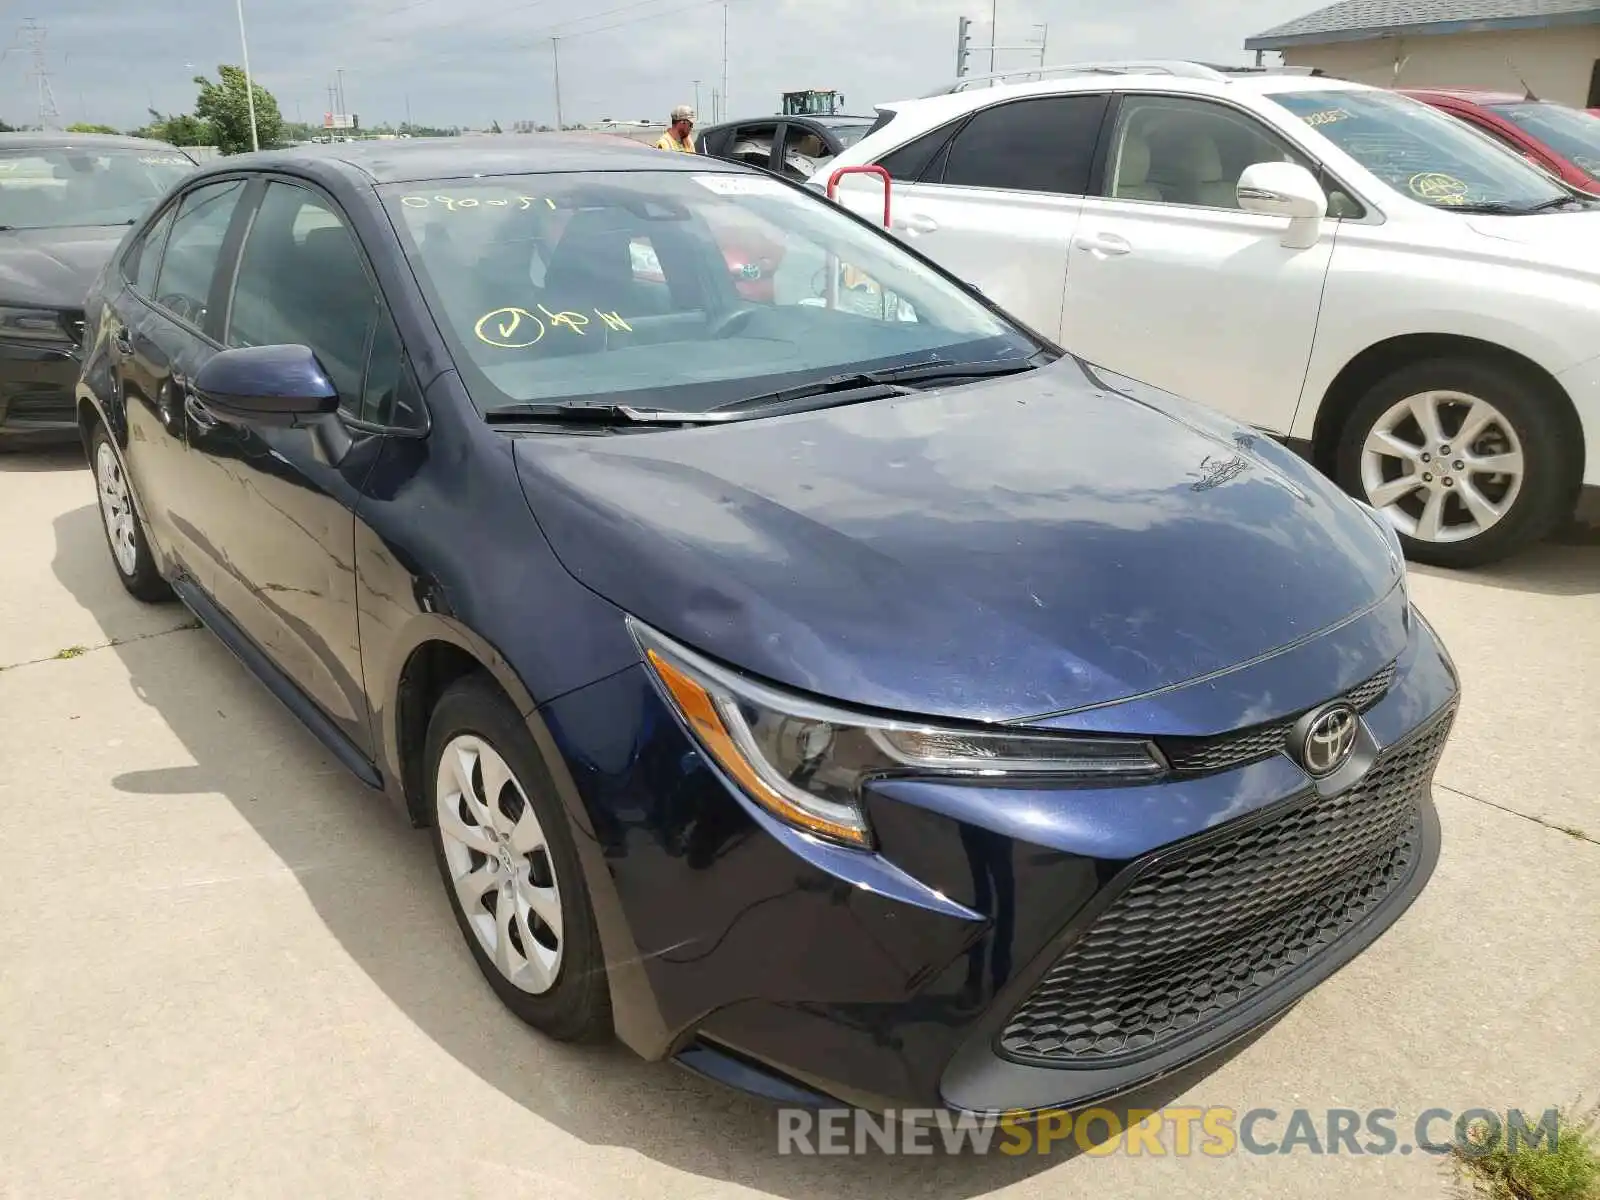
column 226, row 969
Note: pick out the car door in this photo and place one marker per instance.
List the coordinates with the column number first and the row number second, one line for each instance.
column 160, row 339
column 997, row 203
column 287, row 522
column 1171, row 283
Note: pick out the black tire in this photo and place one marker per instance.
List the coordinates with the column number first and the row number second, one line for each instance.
column 144, row 582
column 577, row 1006
column 1533, row 410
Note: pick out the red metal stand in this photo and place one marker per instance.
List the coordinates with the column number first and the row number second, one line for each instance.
column 833, row 184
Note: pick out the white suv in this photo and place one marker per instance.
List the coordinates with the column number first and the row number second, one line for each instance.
column 1413, row 306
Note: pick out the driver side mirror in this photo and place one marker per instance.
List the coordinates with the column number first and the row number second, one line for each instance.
column 282, row 386
column 1280, row 189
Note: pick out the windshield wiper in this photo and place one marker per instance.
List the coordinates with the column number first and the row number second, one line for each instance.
column 1560, row 202
column 871, row 385
column 576, row 413
column 1499, row 208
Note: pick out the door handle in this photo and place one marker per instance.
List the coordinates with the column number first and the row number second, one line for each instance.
column 1104, row 245
column 122, row 342
column 198, row 412
column 917, row 223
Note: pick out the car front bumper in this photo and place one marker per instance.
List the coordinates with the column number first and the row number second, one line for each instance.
column 36, row 394
column 1002, row 948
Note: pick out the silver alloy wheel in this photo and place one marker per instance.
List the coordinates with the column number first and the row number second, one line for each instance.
column 500, row 863
column 116, row 508
column 1442, row 466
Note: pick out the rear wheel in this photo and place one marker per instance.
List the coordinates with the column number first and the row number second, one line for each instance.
column 1465, row 459
column 510, row 866
column 130, row 551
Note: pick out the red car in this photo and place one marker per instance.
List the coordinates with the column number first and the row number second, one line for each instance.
column 1564, row 141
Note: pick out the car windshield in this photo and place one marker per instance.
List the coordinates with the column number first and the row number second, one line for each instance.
column 674, row 290
column 1423, row 153
column 53, row 187
column 1572, row 134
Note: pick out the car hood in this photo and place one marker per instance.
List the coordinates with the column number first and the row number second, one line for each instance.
column 1569, row 238
column 996, row 551
column 54, row 268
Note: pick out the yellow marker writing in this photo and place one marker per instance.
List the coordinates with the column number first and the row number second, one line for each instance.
column 574, row 321
column 613, row 321
column 500, row 327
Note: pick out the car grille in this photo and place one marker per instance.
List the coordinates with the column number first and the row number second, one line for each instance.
column 1200, row 933
column 1204, row 756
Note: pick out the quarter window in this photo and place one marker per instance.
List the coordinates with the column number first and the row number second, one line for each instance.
column 301, row 282
column 189, row 265
column 1043, row 145
column 147, row 255
column 910, row 162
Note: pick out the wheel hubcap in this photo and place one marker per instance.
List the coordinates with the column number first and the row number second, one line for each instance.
column 1442, row 466
column 500, row 863
column 115, row 509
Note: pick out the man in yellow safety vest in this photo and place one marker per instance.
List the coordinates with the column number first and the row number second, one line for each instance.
column 679, row 136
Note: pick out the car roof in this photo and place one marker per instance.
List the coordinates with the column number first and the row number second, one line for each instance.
column 1474, row 95
column 416, row 159
column 54, row 140
column 1265, row 83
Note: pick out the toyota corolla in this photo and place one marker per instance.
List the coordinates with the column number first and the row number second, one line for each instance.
column 837, row 688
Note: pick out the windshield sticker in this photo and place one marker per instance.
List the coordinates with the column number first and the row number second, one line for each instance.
column 1437, row 188
column 1326, row 117
column 514, row 328
column 456, row 203
column 740, row 185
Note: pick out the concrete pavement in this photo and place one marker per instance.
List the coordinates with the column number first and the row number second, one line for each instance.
column 228, row 970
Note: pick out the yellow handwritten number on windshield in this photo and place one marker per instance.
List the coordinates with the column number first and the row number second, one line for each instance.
column 504, row 329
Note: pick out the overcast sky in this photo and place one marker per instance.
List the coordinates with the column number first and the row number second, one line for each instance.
column 465, row 63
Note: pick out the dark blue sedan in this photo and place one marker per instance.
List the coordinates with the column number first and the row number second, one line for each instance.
column 806, row 672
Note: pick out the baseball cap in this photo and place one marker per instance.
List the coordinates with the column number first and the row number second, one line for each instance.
column 683, row 113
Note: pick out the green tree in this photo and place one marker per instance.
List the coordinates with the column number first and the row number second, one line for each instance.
column 495, row 128
column 87, row 127
column 177, row 129
column 225, row 107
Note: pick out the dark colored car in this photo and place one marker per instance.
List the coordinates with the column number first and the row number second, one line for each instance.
column 796, row 147
column 1564, row 141
column 66, row 200
column 848, row 694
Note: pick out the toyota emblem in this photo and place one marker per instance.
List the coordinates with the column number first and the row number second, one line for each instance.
column 1328, row 738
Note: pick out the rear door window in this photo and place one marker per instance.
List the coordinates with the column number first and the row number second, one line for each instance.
column 1042, row 145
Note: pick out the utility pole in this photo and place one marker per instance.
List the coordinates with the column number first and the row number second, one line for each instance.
column 408, row 111
column 249, row 83
column 339, row 75
column 994, row 31
column 49, row 115
column 724, row 56
column 555, row 57
column 963, row 44
column 697, row 100
column 1044, row 39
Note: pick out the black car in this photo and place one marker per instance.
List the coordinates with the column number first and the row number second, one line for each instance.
column 792, row 146
column 832, row 686
column 66, row 200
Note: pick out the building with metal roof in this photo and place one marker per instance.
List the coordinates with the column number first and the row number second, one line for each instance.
column 1551, row 47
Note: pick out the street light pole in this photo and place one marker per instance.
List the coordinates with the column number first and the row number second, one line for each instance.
column 249, row 83
column 555, row 55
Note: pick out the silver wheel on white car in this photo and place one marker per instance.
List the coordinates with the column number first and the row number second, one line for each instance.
column 499, row 863
column 1470, row 458
column 1443, row 466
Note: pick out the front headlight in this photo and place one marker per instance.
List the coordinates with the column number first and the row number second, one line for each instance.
column 32, row 325
column 806, row 762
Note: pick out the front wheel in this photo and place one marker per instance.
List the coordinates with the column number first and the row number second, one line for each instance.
column 1465, row 459
column 510, row 866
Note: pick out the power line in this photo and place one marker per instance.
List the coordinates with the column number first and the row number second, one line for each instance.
column 49, row 114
